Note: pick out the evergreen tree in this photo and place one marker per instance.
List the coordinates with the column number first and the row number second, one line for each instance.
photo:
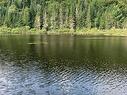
column 60, row 14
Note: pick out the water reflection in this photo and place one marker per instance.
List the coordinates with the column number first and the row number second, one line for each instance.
column 63, row 66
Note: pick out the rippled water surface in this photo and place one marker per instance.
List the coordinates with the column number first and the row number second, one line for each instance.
column 63, row 65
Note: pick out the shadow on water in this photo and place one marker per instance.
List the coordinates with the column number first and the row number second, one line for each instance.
column 63, row 65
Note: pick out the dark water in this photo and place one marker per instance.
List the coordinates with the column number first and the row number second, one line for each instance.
column 63, row 65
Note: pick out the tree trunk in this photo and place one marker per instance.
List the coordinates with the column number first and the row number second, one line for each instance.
column 37, row 23
column 45, row 21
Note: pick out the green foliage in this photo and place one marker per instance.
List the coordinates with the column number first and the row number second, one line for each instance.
column 25, row 16
column 67, row 14
column 4, row 29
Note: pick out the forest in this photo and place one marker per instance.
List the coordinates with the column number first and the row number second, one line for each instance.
column 64, row 14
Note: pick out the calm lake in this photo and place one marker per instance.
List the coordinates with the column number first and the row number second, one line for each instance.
column 63, row 65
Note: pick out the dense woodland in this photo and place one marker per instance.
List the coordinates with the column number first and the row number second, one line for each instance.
column 64, row 14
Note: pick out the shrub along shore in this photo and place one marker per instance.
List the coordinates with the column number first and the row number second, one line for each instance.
column 81, row 32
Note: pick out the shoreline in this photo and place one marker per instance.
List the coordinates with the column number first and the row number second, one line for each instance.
column 69, row 34
column 80, row 32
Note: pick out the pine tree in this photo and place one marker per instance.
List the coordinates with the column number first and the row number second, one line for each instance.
column 60, row 14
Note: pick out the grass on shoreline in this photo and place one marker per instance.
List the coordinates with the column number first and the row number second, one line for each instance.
column 82, row 32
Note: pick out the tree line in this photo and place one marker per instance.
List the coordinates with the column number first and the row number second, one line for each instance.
column 64, row 14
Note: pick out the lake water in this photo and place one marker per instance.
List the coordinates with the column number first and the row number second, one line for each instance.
column 63, row 65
